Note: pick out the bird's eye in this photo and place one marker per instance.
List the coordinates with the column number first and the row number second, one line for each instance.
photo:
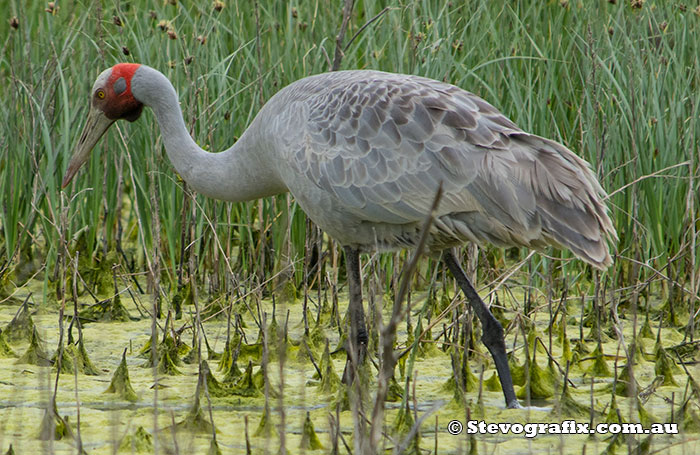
column 100, row 94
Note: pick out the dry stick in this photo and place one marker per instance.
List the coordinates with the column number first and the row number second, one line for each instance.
column 174, row 426
column 367, row 24
column 59, row 357
column 388, row 333
column 263, row 366
column 551, row 357
column 338, row 57
column 154, row 269
column 411, row 434
column 247, row 437
column 281, row 356
column 311, row 357
column 78, row 438
column 256, row 319
column 690, row 210
column 258, row 48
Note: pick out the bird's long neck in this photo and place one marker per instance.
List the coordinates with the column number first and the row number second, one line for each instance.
column 241, row 173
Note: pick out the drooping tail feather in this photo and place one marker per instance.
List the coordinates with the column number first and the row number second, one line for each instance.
column 570, row 202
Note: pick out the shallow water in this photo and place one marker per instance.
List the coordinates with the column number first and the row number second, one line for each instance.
column 105, row 420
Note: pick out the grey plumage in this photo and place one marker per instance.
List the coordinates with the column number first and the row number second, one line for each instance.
column 364, row 152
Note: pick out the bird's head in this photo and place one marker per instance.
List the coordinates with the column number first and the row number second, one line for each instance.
column 110, row 100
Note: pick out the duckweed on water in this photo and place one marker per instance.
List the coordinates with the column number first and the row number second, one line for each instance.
column 599, row 368
column 21, row 327
column 196, row 421
column 539, row 382
column 5, row 349
column 245, row 387
column 139, row 441
column 120, row 384
column 36, row 353
column 309, row 439
column 403, row 425
column 214, row 448
column 216, row 389
column 105, row 310
column 329, row 380
column 665, row 366
column 53, row 426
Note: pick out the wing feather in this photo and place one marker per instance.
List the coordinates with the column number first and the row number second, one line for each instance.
column 382, row 143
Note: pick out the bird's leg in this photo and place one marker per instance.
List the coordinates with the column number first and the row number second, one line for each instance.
column 492, row 330
column 357, row 343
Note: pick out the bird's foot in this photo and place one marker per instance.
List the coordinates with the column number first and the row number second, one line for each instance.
column 514, row 404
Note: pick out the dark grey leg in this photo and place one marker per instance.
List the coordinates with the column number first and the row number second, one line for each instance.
column 357, row 344
column 492, row 330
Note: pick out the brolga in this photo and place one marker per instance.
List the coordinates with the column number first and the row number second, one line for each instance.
column 363, row 153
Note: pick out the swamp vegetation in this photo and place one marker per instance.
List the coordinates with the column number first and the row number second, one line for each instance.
column 139, row 317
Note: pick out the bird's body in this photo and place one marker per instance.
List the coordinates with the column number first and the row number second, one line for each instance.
column 364, row 152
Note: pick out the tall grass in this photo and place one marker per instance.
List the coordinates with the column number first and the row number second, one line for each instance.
column 616, row 84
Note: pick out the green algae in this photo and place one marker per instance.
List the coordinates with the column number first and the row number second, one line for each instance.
column 53, row 426
column 121, row 384
column 539, row 382
column 139, row 441
column 168, row 354
column 645, row 330
column 238, row 350
column 67, row 359
column 329, row 381
column 82, row 358
column 517, row 371
column 214, row 448
column 567, row 406
column 402, row 425
column 183, row 296
column 394, row 391
column 480, row 408
column 228, row 362
column 664, row 366
column 625, row 384
column 600, row 367
column 309, row 438
column 215, row 388
column 21, row 327
column 35, row 353
column 265, row 426
column 613, row 415
column 5, row 349
column 196, row 421
column 493, row 383
column 246, row 387
column 315, row 340
column 107, row 310
column 645, row 417
column 463, row 377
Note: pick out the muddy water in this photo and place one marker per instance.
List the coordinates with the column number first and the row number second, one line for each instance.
column 105, row 420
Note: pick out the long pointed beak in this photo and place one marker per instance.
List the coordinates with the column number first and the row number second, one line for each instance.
column 96, row 125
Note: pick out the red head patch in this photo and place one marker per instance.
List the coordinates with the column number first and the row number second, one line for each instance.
column 116, row 99
column 126, row 71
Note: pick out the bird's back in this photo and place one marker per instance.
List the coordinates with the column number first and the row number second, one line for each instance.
column 364, row 152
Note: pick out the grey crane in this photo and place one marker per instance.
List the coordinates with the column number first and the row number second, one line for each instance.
column 363, row 153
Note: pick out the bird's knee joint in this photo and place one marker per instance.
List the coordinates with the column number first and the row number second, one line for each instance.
column 362, row 337
column 493, row 334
